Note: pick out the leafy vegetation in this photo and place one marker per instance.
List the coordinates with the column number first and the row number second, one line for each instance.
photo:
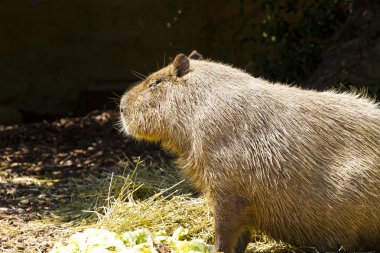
column 140, row 240
column 292, row 35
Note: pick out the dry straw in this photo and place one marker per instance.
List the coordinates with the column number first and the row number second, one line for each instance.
column 156, row 197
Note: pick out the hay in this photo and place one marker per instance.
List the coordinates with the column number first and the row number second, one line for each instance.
column 154, row 198
column 158, row 198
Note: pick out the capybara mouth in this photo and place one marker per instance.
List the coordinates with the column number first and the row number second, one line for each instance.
column 125, row 127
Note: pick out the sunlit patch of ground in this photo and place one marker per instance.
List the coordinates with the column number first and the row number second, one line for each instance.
column 19, row 235
column 34, row 214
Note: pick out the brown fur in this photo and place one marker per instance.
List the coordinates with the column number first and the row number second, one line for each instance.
column 299, row 165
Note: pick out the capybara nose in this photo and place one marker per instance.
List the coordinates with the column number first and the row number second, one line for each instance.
column 123, row 109
column 123, row 106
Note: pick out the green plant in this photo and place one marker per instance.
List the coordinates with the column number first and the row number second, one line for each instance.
column 292, row 36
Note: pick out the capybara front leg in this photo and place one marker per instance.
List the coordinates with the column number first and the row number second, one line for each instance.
column 229, row 224
column 225, row 237
column 243, row 241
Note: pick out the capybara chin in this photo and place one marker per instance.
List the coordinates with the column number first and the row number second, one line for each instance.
column 298, row 165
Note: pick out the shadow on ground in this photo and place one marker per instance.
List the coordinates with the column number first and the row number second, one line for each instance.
column 44, row 169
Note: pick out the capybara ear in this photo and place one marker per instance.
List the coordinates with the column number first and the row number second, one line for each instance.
column 195, row 55
column 181, row 65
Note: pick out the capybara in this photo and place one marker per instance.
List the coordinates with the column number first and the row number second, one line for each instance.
column 299, row 165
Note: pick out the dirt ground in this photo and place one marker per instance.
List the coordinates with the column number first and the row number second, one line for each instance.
column 44, row 168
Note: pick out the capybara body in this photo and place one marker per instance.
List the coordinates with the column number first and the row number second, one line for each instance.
column 298, row 165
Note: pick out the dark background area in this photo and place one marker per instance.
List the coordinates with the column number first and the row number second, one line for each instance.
column 62, row 57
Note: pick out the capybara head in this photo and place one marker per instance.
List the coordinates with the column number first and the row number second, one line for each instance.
column 147, row 108
column 163, row 107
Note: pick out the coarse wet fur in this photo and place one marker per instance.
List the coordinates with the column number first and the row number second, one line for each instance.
column 299, row 165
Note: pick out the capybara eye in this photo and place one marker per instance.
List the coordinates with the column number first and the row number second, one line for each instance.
column 155, row 83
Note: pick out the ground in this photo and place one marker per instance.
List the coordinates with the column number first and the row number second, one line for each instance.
column 45, row 168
